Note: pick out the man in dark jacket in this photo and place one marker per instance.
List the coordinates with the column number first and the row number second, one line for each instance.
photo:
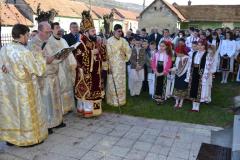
column 73, row 37
column 155, row 36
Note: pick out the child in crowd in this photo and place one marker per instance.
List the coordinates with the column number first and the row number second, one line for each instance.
column 161, row 64
column 200, row 66
column 137, row 61
column 151, row 76
column 227, row 51
column 211, row 68
column 131, row 44
column 180, row 69
column 145, row 82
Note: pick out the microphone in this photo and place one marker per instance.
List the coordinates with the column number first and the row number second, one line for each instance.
column 43, row 45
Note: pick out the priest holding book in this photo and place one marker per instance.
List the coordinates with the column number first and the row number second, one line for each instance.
column 89, row 83
column 66, row 73
column 49, row 83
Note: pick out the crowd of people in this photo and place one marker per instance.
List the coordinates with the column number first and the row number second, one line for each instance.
column 182, row 64
column 38, row 86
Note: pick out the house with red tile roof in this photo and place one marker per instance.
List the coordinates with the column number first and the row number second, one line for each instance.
column 9, row 17
column 67, row 11
column 70, row 11
column 130, row 18
column 160, row 14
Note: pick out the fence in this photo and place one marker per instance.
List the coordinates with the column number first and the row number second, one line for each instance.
column 6, row 38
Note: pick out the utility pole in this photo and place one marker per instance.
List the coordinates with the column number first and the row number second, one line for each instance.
column 90, row 5
column 144, row 2
column 1, row 3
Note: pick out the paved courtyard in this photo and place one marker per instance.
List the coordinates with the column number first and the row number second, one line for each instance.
column 114, row 137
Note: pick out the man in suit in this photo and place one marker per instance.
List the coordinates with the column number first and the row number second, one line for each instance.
column 155, row 36
column 73, row 37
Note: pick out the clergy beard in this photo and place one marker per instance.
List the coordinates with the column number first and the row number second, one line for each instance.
column 93, row 38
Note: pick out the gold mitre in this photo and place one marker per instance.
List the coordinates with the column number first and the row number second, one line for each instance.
column 87, row 21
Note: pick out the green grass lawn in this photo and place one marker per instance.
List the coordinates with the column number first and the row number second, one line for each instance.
column 216, row 113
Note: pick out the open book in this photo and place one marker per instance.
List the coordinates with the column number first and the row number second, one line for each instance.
column 66, row 51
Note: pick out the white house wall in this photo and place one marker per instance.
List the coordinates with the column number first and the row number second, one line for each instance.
column 6, row 30
column 158, row 15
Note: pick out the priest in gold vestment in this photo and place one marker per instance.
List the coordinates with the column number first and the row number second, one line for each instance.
column 49, row 82
column 22, row 121
column 119, row 53
column 66, row 71
column 89, row 83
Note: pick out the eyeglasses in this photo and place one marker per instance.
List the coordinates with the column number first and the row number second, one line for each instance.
column 47, row 32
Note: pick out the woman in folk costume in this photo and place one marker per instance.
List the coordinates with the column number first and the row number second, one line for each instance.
column 161, row 64
column 200, row 66
column 238, row 60
column 170, row 78
column 227, row 51
column 137, row 61
column 211, row 67
column 22, row 114
column 181, row 67
column 151, row 76
column 89, row 56
column 215, row 41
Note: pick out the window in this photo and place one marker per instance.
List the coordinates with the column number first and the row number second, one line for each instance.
column 161, row 8
column 155, row 8
column 193, row 25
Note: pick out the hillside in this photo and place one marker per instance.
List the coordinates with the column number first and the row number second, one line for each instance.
column 114, row 4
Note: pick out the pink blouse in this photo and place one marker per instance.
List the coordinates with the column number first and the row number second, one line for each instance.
column 167, row 62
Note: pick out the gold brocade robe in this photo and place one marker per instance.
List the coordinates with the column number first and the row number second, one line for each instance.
column 66, row 74
column 49, row 84
column 22, row 113
column 119, row 53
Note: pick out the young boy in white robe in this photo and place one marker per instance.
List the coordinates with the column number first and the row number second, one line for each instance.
column 137, row 61
column 151, row 75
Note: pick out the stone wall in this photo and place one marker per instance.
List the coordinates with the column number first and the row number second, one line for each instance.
column 158, row 15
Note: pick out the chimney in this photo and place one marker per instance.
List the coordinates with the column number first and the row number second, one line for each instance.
column 175, row 4
column 189, row 3
column 144, row 4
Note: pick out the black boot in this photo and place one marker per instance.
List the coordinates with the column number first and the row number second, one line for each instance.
column 9, row 144
column 50, row 131
column 62, row 125
column 33, row 145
